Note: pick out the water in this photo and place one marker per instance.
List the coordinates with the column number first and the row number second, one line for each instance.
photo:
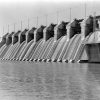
column 50, row 49
column 49, row 81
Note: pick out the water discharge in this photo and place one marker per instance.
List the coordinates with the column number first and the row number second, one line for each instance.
column 57, row 42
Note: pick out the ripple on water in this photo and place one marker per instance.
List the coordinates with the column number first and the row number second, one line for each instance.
column 47, row 81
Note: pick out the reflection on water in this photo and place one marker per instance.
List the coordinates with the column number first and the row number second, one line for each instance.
column 49, row 81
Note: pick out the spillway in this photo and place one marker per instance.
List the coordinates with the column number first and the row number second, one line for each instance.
column 61, row 42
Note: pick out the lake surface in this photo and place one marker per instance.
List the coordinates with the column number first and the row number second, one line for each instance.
column 49, row 81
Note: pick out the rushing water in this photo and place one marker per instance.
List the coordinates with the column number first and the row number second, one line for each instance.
column 49, row 81
column 50, row 49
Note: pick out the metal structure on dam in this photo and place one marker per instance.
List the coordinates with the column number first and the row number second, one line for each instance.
column 44, row 63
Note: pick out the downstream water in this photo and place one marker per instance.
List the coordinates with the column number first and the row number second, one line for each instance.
column 49, row 81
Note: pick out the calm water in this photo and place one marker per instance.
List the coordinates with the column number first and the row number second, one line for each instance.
column 49, row 81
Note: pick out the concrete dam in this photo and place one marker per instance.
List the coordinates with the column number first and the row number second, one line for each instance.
column 63, row 42
column 54, row 62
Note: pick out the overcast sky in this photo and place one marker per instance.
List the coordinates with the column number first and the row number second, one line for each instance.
column 13, row 11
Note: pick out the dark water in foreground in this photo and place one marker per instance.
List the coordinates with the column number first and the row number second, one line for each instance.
column 49, row 81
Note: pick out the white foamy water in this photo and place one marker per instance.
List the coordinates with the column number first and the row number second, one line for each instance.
column 49, row 81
